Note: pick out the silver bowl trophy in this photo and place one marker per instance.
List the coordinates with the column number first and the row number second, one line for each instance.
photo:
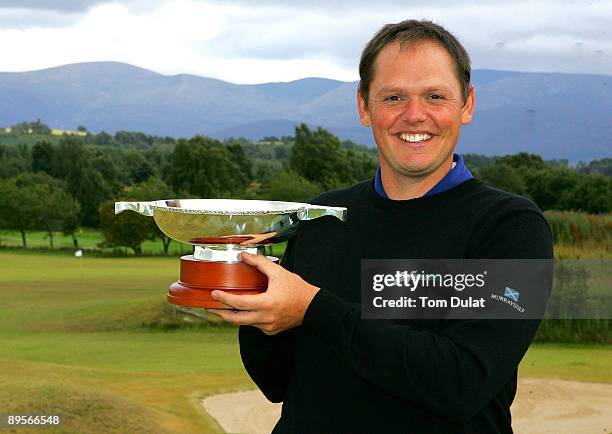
column 219, row 230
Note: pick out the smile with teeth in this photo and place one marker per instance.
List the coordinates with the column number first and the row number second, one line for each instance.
column 414, row 138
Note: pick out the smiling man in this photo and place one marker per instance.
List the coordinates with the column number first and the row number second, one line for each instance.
column 304, row 343
column 416, row 105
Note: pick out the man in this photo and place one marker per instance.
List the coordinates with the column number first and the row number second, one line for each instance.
column 303, row 341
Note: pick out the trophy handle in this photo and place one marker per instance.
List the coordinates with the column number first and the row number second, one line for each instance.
column 143, row 208
column 312, row 212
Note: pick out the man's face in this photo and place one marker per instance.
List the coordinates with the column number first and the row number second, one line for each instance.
column 415, row 109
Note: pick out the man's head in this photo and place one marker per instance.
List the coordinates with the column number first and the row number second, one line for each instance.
column 415, row 94
column 410, row 32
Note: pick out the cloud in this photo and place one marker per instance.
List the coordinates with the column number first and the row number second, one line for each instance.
column 24, row 14
column 23, row 19
column 272, row 40
column 61, row 6
column 521, row 35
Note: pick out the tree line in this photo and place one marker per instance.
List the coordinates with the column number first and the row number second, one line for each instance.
column 70, row 184
column 553, row 186
column 61, row 184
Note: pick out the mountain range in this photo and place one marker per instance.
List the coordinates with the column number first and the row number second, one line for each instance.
column 554, row 115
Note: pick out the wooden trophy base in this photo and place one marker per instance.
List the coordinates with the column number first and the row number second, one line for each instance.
column 199, row 278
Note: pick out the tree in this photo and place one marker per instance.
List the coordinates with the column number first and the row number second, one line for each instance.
column 602, row 166
column 128, row 229
column 151, row 189
column 523, row 160
column 593, row 194
column 476, row 161
column 547, row 186
column 83, row 181
column 316, row 156
column 102, row 139
column 239, row 157
column 50, row 206
column 70, row 225
column 43, row 156
column 131, row 229
column 139, row 168
column 58, row 210
column 160, row 157
column 110, row 162
column 289, row 186
column 36, row 127
column 204, row 167
column 503, row 176
column 19, row 207
column 358, row 166
column 135, row 139
column 13, row 161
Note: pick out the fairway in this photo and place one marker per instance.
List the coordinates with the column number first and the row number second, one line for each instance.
column 82, row 337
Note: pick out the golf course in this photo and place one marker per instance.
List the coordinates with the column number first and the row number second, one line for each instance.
column 92, row 339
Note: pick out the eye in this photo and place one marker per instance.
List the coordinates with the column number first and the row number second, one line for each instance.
column 392, row 98
column 436, row 96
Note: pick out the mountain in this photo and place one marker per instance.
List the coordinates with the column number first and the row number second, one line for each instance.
column 554, row 115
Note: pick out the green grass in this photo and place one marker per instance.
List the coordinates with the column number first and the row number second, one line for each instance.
column 581, row 362
column 76, row 340
column 79, row 337
column 89, row 239
column 26, row 139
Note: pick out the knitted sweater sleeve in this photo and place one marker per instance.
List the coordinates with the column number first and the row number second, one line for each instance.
column 454, row 373
column 269, row 359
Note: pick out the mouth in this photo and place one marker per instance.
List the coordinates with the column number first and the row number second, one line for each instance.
column 415, row 137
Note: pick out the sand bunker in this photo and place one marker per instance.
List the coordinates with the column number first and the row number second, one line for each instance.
column 541, row 406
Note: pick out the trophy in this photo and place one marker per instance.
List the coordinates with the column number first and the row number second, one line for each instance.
column 219, row 230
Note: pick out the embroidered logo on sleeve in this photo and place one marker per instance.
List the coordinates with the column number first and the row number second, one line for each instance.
column 512, row 294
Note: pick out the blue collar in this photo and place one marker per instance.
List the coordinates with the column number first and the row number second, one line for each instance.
column 458, row 174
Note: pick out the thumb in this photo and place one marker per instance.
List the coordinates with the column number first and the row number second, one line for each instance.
column 260, row 262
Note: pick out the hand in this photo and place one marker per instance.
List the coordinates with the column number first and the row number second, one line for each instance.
column 280, row 308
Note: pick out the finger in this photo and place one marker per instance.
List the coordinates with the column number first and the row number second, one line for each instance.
column 262, row 263
column 240, row 317
column 240, row 302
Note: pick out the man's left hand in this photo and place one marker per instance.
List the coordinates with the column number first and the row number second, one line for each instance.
column 280, row 308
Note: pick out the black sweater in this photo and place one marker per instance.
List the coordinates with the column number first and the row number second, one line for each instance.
column 337, row 373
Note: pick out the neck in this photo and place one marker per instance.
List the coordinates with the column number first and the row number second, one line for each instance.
column 406, row 187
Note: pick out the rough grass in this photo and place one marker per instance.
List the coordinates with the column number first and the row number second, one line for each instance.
column 82, row 409
column 577, row 228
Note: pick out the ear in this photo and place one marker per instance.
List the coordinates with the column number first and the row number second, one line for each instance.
column 467, row 111
column 364, row 114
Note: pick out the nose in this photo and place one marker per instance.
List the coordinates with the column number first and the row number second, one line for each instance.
column 414, row 111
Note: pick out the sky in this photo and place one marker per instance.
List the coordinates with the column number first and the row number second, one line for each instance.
column 256, row 41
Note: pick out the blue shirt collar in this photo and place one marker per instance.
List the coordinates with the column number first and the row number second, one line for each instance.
column 458, row 174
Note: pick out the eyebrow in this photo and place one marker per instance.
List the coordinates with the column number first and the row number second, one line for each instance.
column 435, row 87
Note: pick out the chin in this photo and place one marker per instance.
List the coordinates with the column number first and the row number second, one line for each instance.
column 416, row 163
column 412, row 169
